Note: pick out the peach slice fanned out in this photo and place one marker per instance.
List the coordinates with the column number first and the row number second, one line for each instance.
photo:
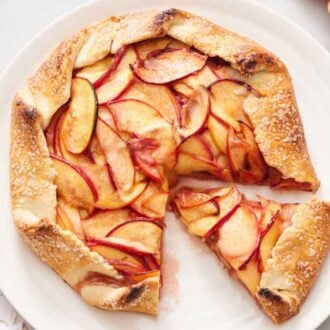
column 59, row 147
column 157, row 96
column 117, row 155
column 186, row 86
column 137, row 118
column 244, row 156
column 198, row 212
column 120, row 199
column 209, row 141
column 100, row 176
column 79, row 122
column 219, row 132
column 96, row 153
column 188, row 163
column 227, row 98
column 74, row 186
column 239, row 236
column 142, row 235
column 186, row 198
column 169, row 65
column 70, row 218
column 141, row 150
column 228, row 204
column 118, row 78
column 121, row 260
column 196, row 112
column 145, row 48
column 100, row 223
column 152, row 202
column 194, row 145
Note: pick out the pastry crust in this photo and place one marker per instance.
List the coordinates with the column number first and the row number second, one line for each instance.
column 296, row 261
column 273, row 114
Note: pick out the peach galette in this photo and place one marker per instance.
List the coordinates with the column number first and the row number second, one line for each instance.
column 275, row 250
column 115, row 116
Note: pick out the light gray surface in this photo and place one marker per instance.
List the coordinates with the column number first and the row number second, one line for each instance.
column 20, row 20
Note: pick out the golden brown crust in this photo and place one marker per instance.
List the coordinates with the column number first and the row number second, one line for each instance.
column 32, row 189
column 296, row 261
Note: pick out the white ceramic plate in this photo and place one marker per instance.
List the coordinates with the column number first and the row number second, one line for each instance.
column 197, row 293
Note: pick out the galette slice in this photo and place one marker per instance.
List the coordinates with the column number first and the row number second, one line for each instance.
column 275, row 250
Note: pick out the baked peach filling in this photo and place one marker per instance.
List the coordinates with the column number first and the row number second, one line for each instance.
column 241, row 232
column 136, row 121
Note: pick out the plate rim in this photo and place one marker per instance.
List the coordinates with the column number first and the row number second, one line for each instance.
column 9, row 67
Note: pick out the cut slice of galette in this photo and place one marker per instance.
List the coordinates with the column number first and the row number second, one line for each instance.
column 274, row 249
column 111, row 120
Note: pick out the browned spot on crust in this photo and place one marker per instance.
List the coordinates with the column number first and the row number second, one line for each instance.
column 162, row 18
column 134, row 294
column 268, row 294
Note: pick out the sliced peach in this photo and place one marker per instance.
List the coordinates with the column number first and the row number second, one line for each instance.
column 207, row 209
column 205, row 77
column 257, row 168
column 71, row 217
column 156, row 204
column 143, row 276
column 62, row 219
column 60, row 149
column 95, row 152
column 119, row 77
column 239, row 236
column 117, row 155
column 121, row 199
column 95, row 71
column 141, row 151
column 189, row 163
column 219, row 133
column 250, row 275
column 169, row 65
column 237, row 149
column 52, row 127
column 271, row 210
column 157, row 96
column 99, row 224
column 121, row 260
column 99, row 174
column 105, row 114
column 244, row 156
column 196, row 112
column 143, row 206
column 228, row 204
column 201, row 226
column 79, row 123
column 196, row 146
column 74, row 186
column 139, row 119
column 268, row 241
column 227, row 98
column 186, row 198
column 145, row 48
column 222, row 162
column 142, row 235
column 177, row 44
column 151, row 262
column 133, row 250
column 210, row 143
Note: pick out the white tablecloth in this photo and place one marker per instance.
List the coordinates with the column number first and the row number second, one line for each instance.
column 20, row 20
